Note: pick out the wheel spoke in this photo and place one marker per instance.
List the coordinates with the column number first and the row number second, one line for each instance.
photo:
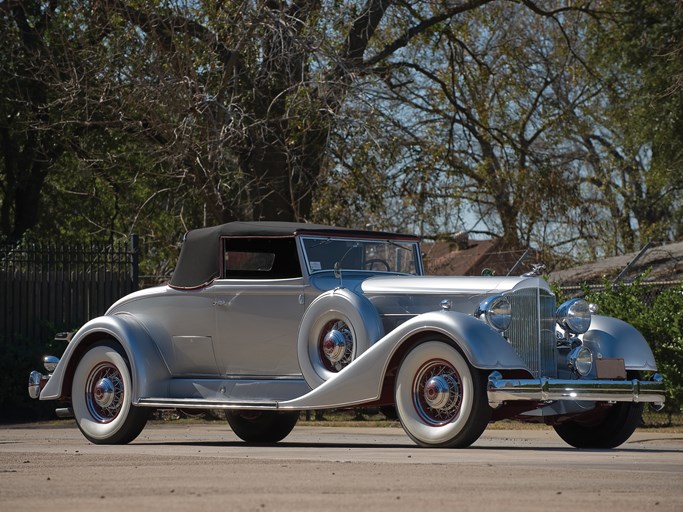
column 437, row 392
column 104, row 392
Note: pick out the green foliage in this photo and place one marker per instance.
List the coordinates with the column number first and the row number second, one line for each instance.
column 637, row 54
column 659, row 317
column 559, row 129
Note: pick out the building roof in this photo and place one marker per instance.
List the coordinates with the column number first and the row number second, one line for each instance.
column 664, row 263
column 471, row 257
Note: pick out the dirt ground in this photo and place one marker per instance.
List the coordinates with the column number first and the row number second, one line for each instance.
column 205, row 467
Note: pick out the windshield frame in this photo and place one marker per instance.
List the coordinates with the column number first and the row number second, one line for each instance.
column 314, row 266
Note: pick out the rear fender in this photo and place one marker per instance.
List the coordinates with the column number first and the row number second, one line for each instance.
column 361, row 381
column 149, row 372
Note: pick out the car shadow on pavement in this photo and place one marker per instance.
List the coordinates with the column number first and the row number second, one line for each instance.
column 392, row 446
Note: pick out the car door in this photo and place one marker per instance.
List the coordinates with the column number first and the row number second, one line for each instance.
column 258, row 303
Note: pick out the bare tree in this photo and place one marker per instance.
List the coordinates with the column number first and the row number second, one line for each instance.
column 481, row 127
column 230, row 105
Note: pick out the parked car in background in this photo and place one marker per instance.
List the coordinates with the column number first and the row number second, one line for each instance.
column 268, row 319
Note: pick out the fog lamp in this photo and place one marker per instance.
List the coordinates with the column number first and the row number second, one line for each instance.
column 581, row 360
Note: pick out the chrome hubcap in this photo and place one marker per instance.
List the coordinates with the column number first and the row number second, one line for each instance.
column 437, row 392
column 336, row 345
column 104, row 392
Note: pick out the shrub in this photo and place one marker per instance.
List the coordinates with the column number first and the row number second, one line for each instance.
column 658, row 315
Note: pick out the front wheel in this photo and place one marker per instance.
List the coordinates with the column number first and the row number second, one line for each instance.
column 604, row 428
column 262, row 426
column 440, row 399
column 101, row 397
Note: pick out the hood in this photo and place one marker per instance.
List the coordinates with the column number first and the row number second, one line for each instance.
column 448, row 285
column 412, row 295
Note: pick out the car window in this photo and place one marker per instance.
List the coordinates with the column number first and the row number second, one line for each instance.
column 361, row 254
column 260, row 258
column 240, row 261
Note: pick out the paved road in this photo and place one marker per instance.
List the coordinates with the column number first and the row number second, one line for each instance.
column 204, row 467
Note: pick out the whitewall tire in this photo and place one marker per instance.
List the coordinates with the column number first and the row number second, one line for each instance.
column 440, row 399
column 101, row 396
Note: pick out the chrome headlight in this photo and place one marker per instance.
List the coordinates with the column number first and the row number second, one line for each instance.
column 581, row 360
column 495, row 311
column 574, row 315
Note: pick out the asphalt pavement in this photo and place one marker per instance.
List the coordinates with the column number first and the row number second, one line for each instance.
column 203, row 466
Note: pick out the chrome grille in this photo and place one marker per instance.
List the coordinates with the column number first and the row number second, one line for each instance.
column 532, row 330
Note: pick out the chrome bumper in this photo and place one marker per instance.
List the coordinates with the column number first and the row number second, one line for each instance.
column 37, row 381
column 548, row 390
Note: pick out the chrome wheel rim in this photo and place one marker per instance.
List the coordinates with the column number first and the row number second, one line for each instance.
column 436, row 391
column 104, row 392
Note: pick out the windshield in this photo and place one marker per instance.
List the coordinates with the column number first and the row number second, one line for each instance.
column 362, row 254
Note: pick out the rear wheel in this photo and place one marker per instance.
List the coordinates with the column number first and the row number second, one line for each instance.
column 605, row 428
column 440, row 399
column 262, row 426
column 101, row 397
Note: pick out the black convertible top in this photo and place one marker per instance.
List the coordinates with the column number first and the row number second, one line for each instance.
column 200, row 255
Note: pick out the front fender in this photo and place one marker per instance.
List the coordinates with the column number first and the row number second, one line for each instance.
column 612, row 338
column 362, row 380
column 149, row 372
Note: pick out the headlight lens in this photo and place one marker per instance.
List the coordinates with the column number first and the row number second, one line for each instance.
column 581, row 360
column 574, row 315
column 495, row 311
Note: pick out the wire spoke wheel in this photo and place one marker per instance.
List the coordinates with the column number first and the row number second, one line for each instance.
column 336, row 345
column 101, row 396
column 104, row 393
column 440, row 399
column 436, row 392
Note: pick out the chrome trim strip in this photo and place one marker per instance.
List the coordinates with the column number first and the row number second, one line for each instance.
column 64, row 412
column 262, row 378
column 547, row 390
column 197, row 403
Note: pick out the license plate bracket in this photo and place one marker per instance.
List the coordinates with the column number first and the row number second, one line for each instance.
column 610, row 368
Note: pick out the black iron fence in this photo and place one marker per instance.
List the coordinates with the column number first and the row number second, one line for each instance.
column 46, row 288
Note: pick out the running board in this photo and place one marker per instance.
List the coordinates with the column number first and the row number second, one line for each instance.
column 197, row 403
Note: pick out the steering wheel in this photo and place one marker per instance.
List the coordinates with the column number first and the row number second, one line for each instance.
column 370, row 263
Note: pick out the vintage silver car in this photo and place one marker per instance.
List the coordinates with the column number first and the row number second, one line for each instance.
column 267, row 319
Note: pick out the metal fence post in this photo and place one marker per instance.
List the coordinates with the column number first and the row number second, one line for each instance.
column 135, row 260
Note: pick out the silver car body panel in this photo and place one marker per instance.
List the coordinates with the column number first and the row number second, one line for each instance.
column 150, row 374
column 255, row 325
column 362, row 380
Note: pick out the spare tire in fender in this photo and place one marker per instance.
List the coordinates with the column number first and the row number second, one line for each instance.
column 337, row 327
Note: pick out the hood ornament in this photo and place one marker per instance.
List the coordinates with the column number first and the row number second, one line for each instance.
column 536, row 270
